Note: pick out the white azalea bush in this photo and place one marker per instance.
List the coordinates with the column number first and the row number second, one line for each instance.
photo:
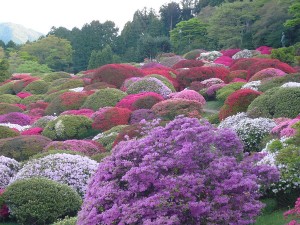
column 245, row 54
column 291, row 85
column 73, row 170
column 250, row 131
column 252, row 85
column 8, row 168
column 209, row 56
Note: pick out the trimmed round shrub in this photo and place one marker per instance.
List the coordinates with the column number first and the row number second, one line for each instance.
column 276, row 102
column 193, row 54
column 210, row 92
column 170, row 108
column 278, row 81
column 241, row 74
column 103, row 98
column 8, row 168
column 43, row 121
column 68, row 127
column 149, row 84
column 32, row 131
column 170, row 61
column 168, row 82
column 230, row 52
column 250, row 131
column 153, row 65
column 264, row 50
column 144, row 100
column 66, row 101
column 209, row 56
column 87, row 147
column 141, row 114
column 80, row 112
column 243, row 63
column 108, row 117
column 97, row 86
column 32, row 99
column 41, row 201
column 128, row 82
column 187, row 76
column 19, row 85
column 224, row 60
column 37, row 87
column 23, row 94
column 6, row 132
column 60, row 85
column 7, row 88
column 189, row 95
column 224, row 92
column 188, row 64
column 8, row 108
column 21, row 148
column 115, row 74
column 238, row 101
column 15, row 118
column 284, row 128
column 267, row 73
column 10, row 99
column 73, row 170
column 38, row 105
column 50, row 97
column 184, row 173
column 49, row 77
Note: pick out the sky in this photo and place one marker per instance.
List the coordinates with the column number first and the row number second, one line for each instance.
column 41, row 15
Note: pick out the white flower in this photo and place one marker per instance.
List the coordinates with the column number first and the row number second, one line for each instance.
column 15, row 126
column 290, row 85
column 252, row 85
column 78, row 89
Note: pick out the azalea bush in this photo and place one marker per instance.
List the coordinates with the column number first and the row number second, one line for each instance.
column 73, row 170
column 188, row 64
column 171, row 83
column 240, row 74
column 185, row 173
column 189, row 95
column 279, row 81
column 63, row 84
column 8, row 168
column 10, row 99
column 37, row 87
column 6, row 132
column 141, row 114
column 267, row 73
column 43, row 121
column 227, row 90
column 15, row 118
column 79, row 112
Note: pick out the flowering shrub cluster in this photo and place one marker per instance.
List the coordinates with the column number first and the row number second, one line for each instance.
column 80, row 112
column 73, row 170
column 267, row 73
column 295, row 212
column 266, row 50
column 128, row 82
column 244, row 54
column 189, row 95
column 209, row 56
column 23, row 94
column 227, row 90
column 284, row 128
column 10, row 99
column 181, row 174
column 230, row 52
column 188, row 64
column 43, row 121
column 250, row 131
column 8, row 168
column 32, row 131
column 167, row 73
column 15, row 118
column 212, row 90
column 253, row 85
column 225, row 60
column 193, row 54
column 37, row 87
column 97, row 86
column 141, row 114
column 8, row 108
column 19, row 85
column 236, row 74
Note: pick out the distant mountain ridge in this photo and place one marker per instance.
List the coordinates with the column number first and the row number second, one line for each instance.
column 17, row 33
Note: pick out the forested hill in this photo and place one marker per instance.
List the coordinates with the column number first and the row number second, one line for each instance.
column 17, row 33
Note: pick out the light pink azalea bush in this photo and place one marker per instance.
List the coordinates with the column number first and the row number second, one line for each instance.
column 189, row 95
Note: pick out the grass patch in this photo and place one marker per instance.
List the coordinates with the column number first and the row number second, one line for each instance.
column 274, row 218
column 213, row 105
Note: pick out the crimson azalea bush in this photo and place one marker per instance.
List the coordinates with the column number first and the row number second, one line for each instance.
column 108, row 117
column 115, row 74
column 238, row 101
column 185, row 173
column 230, row 52
column 23, row 94
column 225, row 60
column 88, row 147
column 39, row 104
column 188, row 64
column 144, row 100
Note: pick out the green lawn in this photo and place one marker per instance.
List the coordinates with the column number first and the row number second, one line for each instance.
column 275, row 218
column 213, row 105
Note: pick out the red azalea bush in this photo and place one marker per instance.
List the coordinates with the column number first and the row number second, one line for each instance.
column 23, row 94
column 40, row 104
column 66, row 101
column 79, row 112
column 168, row 73
column 108, row 117
column 21, row 106
column 169, row 109
column 264, row 50
column 19, row 85
column 188, row 64
column 36, row 113
column 241, row 74
column 230, row 52
column 15, row 118
column 187, row 76
column 225, row 60
column 243, row 63
column 267, row 73
column 115, row 74
column 238, row 101
column 87, row 147
column 97, row 86
column 141, row 114
column 32, row 131
column 144, row 100
column 189, row 95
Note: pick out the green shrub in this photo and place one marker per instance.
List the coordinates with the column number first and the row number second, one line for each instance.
column 66, row 221
column 49, row 77
column 193, row 54
column 37, row 87
column 8, row 98
column 287, row 54
column 6, row 132
column 278, row 81
column 41, row 201
column 68, row 127
column 270, row 205
column 102, row 98
column 31, row 99
column 7, row 88
column 213, row 118
column 276, row 102
column 21, row 148
column 100, row 156
column 225, row 91
column 165, row 81
column 8, row 108
column 63, row 84
column 50, row 97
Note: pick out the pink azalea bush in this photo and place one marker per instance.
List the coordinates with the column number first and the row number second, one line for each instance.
column 230, row 52
column 189, row 95
column 32, row 131
column 187, row 172
column 264, row 50
column 212, row 90
column 23, row 94
column 294, row 212
column 284, row 128
column 15, row 118
column 225, row 60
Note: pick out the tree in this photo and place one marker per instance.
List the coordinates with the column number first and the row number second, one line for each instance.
column 4, row 66
column 101, row 57
column 32, row 67
column 187, row 7
column 294, row 10
column 170, row 16
column 2, row 53
column 55, row 52
column 188, row 35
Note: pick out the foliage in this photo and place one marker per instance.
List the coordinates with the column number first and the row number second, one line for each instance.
column 170, row 16
column 4, row 66
column 21, row 148
column 279, row 81
column 8, row 108
column 68, row 127
column 7, row 88
column 63, row 84
column 66, row 221
column 6, row 132
column 294, row 11
column 101, row 57
column 289, row 54
column 276, row 102
column 103, row 98
column 49, row 77
column 10, row 99
column 15, row 118
column 223, row 93
column 37, row 87
column 32, row 67
column 167, row 76
column 184, row 162
column 41, row 201
column 19, row 85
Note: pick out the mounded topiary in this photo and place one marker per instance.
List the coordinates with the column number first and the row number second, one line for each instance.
column 68, row 127
column 189, row 95
column 184, row 173
column 63, row 84
column 10, row 99
column 66, row 101
column 188, row 64
column 223, row 93
column 43, row 121
column 103, row 98
column 240, row 74
column 40, row 201
column 278, row 81
column 8, row 108
column 116, row 74
column 50, row 97
column 238, row 101
column 193, row 54
column 168, row 82
column 19, row 85
column 15, row 118
column 32, row 99
column 276, row 102
column 37, row 87
column 170, row 108
column 97, row 86
column 55, row 76
column 266, row 74
column 21, row 148
column 108, row 117
column 6, row 132
column 7, row 88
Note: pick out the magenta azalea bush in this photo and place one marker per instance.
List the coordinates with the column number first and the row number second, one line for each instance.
column 15, row 118
column 189, row 95
column 187, row 172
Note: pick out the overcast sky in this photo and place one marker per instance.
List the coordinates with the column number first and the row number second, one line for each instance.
column 41, row 15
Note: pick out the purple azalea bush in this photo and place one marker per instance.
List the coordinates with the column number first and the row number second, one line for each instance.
column 187, row 172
